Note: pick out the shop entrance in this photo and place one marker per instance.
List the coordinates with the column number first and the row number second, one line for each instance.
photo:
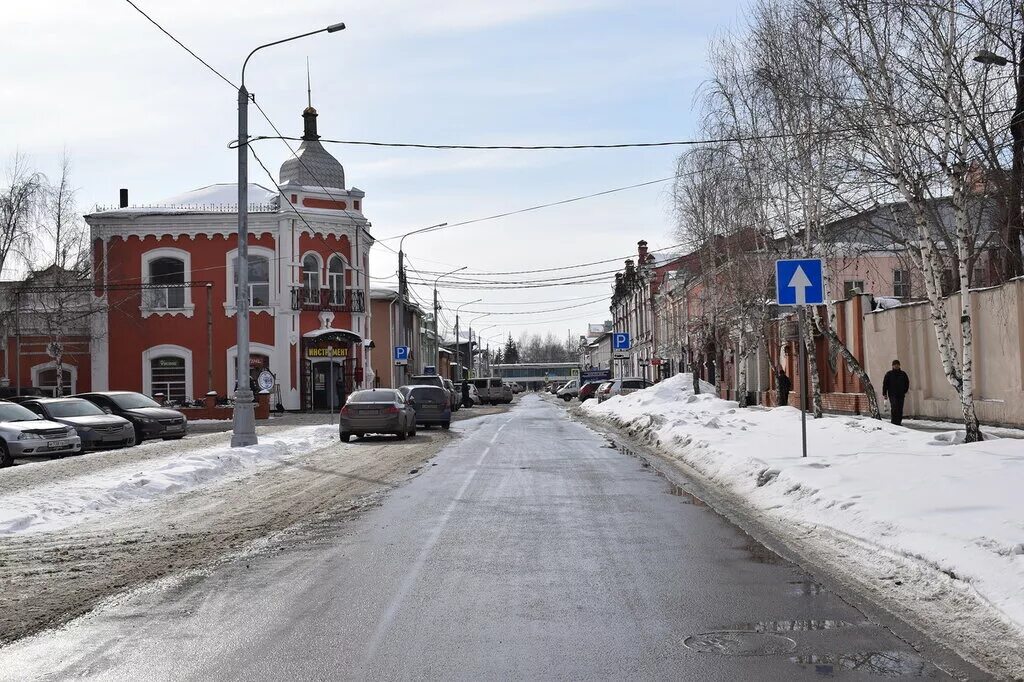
column 329, row 384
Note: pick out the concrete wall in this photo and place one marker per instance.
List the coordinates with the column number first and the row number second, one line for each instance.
column 906, row 333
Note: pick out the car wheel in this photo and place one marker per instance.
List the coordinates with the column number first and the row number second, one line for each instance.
column 412, row 432
column 5, row 455
column 344, row 436
column 138, row 435
column 174, row 438
column 402, row 435
column 446, row 426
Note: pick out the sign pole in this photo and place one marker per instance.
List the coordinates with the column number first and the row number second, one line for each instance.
column 330, row 382
column 803, row 378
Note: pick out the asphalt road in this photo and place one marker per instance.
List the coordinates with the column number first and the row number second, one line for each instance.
column 532, row 550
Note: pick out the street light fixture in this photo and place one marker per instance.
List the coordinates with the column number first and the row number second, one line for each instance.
column 437, row 340
column 244, row 414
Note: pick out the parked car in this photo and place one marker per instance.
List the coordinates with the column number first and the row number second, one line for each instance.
column 455, row 393
column 493, row 390
column 516, row 387
column 624, row 387
column 17, row 395
column 602, row 391
column 426, row 380
column 148, row 418
column 377, row 410
column 474, row 395
column 432, row 405
column 569, row 390
column 97, row 429
column 587, row 390
column 24, row 433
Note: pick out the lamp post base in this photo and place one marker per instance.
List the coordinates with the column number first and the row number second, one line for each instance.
column 244, row 422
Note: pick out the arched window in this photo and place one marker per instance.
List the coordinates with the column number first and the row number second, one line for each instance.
column 336, row 280
column 259, row 280
column 166, row 271
column 311, row 279
column 167, row 376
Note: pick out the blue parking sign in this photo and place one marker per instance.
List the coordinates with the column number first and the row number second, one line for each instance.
column 620, row 341
column 799, row 281
column 401, row 355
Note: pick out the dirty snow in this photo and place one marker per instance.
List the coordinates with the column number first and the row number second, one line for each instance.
column 53, row 506
column 954, row 507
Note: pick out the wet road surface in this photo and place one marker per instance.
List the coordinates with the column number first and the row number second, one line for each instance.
column 532, row 550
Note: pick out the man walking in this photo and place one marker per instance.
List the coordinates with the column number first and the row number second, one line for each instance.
column 894, row 389
column 785, row 385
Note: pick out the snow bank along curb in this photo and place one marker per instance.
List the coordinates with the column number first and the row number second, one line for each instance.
column 54, row 506
column 949, row 507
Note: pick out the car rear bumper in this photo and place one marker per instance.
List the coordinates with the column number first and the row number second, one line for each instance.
column 371, row 424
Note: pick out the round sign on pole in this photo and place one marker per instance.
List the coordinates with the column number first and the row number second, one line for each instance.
column 265, row 380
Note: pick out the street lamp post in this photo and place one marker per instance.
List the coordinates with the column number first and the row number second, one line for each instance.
column 458, row 341
column 437, row 340
column 487, row 354
column 471, row 339
column 244, row 413
column 403, row 288
column 1013, row 265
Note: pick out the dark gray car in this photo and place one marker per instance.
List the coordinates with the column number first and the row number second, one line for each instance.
column 146, row 415
column 379, row 410
column 432, row 405
column 97, row 429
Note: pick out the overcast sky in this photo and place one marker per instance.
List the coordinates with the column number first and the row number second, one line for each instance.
column 135, row 110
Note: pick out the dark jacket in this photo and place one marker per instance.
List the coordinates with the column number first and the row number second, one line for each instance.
column 896, row 383
column 785, row 383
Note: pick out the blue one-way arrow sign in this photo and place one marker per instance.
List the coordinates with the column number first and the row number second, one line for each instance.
column 799, row 282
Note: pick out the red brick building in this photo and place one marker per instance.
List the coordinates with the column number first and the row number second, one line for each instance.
column 165, row 275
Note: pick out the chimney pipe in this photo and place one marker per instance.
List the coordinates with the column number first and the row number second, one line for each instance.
column 124, row 197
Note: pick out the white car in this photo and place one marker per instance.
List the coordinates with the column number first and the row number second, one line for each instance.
column 25, row 434
column 473, row 395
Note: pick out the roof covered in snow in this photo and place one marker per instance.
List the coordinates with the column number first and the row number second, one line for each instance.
column 219, row 198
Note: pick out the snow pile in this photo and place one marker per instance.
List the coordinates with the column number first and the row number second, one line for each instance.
column 55, row 506
column 958, row 508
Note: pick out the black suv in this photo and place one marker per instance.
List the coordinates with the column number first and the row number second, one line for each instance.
column 146, row 415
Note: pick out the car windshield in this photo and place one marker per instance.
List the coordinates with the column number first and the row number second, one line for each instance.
column 133, row 401
column 11, row 412
column 428, row 393
column 373, row 396
column 74, row 408
column 634, row 383
column 427, row 380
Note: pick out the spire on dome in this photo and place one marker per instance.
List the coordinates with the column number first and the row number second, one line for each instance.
column 312, row 165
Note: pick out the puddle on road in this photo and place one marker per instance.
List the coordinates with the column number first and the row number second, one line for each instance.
column 794, row 625
column 877, row 663
column 760, row 554
column 806, row 587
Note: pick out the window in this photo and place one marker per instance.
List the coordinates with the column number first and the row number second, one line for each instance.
column 311, row 279
column 259, row 280
column 46, row 380
column 851, row 287
column 167, row 376
column 901, row 283
column 166, row 271
column 336, row 280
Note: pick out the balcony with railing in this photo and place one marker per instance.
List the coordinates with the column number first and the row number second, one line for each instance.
column 347, row 301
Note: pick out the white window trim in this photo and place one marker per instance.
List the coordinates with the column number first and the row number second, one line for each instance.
column 229, row 304
column 187, row 310
column 42, row 367
column 167, row 350
column 345, row 267
column 254, row 349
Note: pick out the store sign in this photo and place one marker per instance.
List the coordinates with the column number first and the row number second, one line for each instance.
column 176, row 363
column 328, row 352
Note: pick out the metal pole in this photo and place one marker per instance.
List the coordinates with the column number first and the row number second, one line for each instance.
column 458, row 350
column 244, row 419
column 803, row 381
column 401, row 295
column 330, row 383
column 17, row 343
column 437, row 341
column 209, row 337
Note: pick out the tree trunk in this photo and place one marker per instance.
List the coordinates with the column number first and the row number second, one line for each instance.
column 813, row 380
column 966, row 328
column 856, row 368
column 741, row 374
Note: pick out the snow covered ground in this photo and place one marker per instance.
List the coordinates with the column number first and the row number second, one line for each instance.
column 53, row 506
column 928, row 498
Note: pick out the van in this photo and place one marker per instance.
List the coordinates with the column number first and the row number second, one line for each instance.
column 493, row 390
